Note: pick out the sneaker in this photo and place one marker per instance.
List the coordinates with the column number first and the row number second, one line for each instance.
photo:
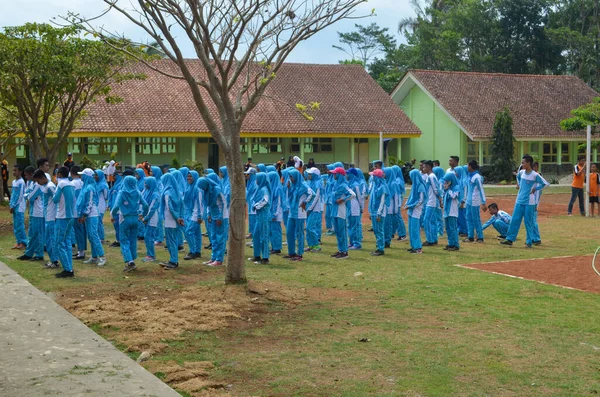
column 354, row 247
column 189, row 257
column 255, row 259
column 24, row 257
column 377, row 253
column 141, row 238
column 204, row 263
column 275, row 252
column 342, row 255
column 463, row 235
column 453, row 248
column 309, row 249
column 205, row 234
column 264, row 261
column 428, row 244
column 208, row 247
column 115, row 244
column 284, row 243
column 506, row 242
column 78, row 257
column 149, row 259
column 410, row 249
column 329, row 233
column 539, row 242
column 417, row 251
column 102, row 262
column 387, row 245
column 297, row 258
column 180, row 248
column 335, row 255
column 446, row 248
column 248, row 236
column 64, row 274
column 290, row 256
column 171, row 266
column 215, row 264
column 130, row 267
column 316, row 248
column 528, row 245
column 501, row 237
column 468, row 240
column 52, row 265
column 158, row 243
column 479, row 240
column 37, row 258
column 91, row 261
column 370, row 229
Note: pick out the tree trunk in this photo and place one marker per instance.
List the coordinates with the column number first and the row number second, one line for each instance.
column 236, row 271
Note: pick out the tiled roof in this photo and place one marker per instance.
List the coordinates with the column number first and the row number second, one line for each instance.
column 351, row 103
column 537, row 102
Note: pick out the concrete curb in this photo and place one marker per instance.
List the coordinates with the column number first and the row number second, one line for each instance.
column 46, row 351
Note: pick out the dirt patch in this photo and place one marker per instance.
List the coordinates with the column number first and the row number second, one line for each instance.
column 572, row 272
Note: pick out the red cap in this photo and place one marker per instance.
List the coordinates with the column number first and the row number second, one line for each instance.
column 339, row 170
column 378, row 173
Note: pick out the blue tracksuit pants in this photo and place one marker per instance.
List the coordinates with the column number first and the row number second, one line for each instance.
column 295, row 235
column 474, row 221
column 101, row 233
column 388, row 228
column 91, row 226
column 328, row 217
column 160, row 231
column 440, row 221
column 219, row 243
column 128, row 230
column 180, row 234
column 452, row 231
column 276, row 235
column 341, row 233
column 80, row 236
column 520, row 213
column 117, row 226
column 535, row 232
column 355, row 231
column 251, row 222
column 149, row 239
column 313, row 228
column 37, row 228
column 431, row 225
column 171, row 234
column 401, row 227
column 51, row 241
column 62, row 233
column 414, row 231
column 378, row 230
column 501, row 227
column 193, row 235
column 19, row 227
column 141, row 228
column 462, row 220
column 286, row 216
column 260, row 235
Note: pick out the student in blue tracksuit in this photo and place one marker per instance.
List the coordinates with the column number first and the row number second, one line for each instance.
column 414, row 206
column 112, row 198
column 171, row 208
column 140, row 175
column 434, row 200
column 461, row 176
column 536, row 238
column 181, row 184
column 452, row 198
column 159, row 236
column 379, row 200
column 102, row 190
column 356, row 207
column 37, row 223
column 529, row 183
column 328, row 201
column 285, row 192
column 475, row 200
column 439, row 174
column 48, row 190
column 341, row 195
column 500, row 220
column 64, row 198
column 17, row 207
column 314, row 211
column 226, row 184
column 400, row 226
column 127, row 209
column 193, row 234
column 276, row 217
column 79, row 232
column 151, row 195
column 262, row 206
column 250, row 190
column 219, row 218
column 87, row 212
column 300, row 195
column 390, row 221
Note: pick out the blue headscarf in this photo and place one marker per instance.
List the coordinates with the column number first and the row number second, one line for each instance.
column 171, row 189
column 275, row 183
column 263, row 187
column 101, row 183
column 399, row 180
column 191, row 194
column 297, row 185
column 225, row 183
column 114, row 191
column 140, row 182
column 261, row 167
column 352, row 175
column 181, row 182
column 129, row 191
column 390, row 180
column 156, row 172
column 184, row 171
column 316, row 183
column 379, row 188
column 418, row 186
column 251, row 188
column 208, row 171
column 271, row 168
column 151, row 189
column 211, row 188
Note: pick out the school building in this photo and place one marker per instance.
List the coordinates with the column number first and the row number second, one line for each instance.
column 455, row 112
column 158, row 120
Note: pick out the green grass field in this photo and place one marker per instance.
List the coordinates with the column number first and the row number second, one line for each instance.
column 428, row 328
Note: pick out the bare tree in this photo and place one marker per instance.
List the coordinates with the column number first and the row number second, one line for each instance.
column 241, row 45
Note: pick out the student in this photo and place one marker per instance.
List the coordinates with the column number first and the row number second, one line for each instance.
column 356, row 208
column 475, row 201
column 193, row 234
column 452, row 199
column 500, row 220
column 434, row 199
column 79, row 231
column 400, row 226
column 225, row 184
column 87, row 212
column 4, row 168
column 529, row 182
column 151, row 195
column 379, row 200
column 314, row 220
column 328, row 201
column 285, row 198
column 250, row 191
column 392, row 210
column 17, row 207
column 180, row 177
column 300, row 194
column 577, row 186
column 461, row 176
column 414, row 205
column 48, row 189
column 439, row 173
column 64, row 198
column 37, row 223
column 127, row 209
column 536, row 239
column 594, row 188
column 262, row 206
column 102, row 191
column 275, row 231
column 219, row 218
column 171, row 208
column 159, row 236
column 112, row 198
column 341, row 194
column 140, row 174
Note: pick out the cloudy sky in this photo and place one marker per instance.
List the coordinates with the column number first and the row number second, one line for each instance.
column 315, row 50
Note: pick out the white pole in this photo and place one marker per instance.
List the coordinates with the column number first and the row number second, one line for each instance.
column 588, row 158
column 381, row 147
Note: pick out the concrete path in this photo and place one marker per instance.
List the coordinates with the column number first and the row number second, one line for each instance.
column 45, row 351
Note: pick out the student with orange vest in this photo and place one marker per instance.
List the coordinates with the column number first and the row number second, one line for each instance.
column 594, row 188
column 577, row 186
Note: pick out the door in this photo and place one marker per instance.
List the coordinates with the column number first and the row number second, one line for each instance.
column 362, row 152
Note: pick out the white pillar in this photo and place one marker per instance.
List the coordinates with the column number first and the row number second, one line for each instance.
column 588, row 152
column 381, row 147
column 194, row 141
column 133, row 150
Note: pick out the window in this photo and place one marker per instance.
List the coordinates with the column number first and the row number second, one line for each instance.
column 361, row 140
column 155, row 145
column 105, row 146
column 244, row 145
column 473, row 152
column 549, row 152
column 313, row 145
column 20, row 151
column 564, row 152
column 267, row 145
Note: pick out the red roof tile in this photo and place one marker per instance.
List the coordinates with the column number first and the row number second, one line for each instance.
column 537, row 102
column 351, row 104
